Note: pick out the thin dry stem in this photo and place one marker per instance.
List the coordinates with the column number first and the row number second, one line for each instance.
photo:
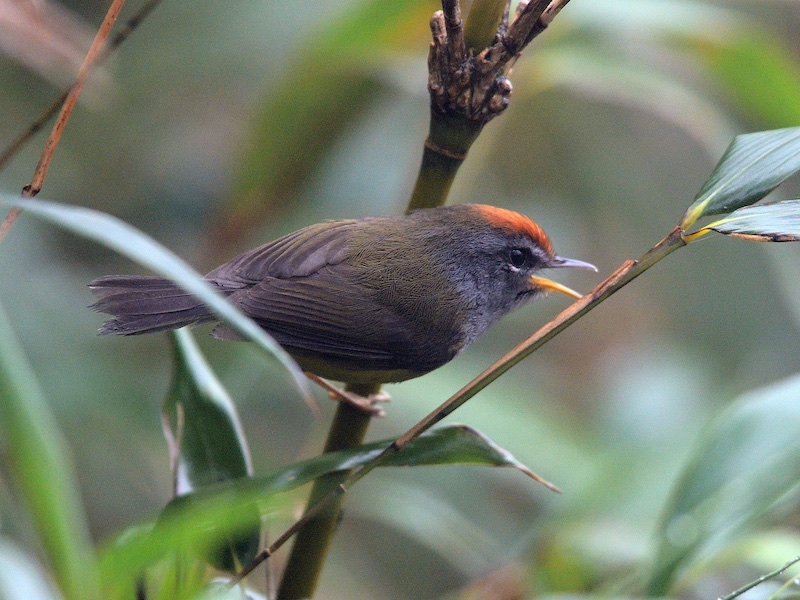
column 520, row 31
column 551, row 12
column 34, row 128
column 454, row 27
column 504, row 21
column 89, row 63
column 760, row 580
column 85, row 71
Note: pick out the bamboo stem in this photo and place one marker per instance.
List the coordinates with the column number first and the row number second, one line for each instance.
column 304, row 567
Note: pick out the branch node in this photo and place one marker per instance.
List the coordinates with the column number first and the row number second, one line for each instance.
column 474, row 85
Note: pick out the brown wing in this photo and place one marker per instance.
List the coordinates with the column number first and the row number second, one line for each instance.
column 329, row 318
column 304, row 291
column 298, row 254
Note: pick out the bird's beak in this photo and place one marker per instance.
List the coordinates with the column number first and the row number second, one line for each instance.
column 552, row 286
column 559, row 262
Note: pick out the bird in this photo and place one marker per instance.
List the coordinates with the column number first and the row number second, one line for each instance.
column 367, row 301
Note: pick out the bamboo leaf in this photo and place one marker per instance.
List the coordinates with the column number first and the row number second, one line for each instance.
column 42, row 470
column 752, row 166
column 758, row 69
column 129, row 241
column 206, row 439
column 203, row 519
column 746, row 461
column 777, row 222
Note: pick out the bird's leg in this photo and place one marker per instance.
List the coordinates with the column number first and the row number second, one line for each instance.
column 369, row 404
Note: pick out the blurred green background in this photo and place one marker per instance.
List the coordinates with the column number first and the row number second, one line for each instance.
column 218, row 126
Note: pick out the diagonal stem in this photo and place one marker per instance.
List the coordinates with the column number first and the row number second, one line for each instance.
column 34, row 128
column 626, row 273
column 92, row 58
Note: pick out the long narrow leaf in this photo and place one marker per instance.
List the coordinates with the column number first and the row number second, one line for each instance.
column 207, row 440
column 777, row 222
column 747, row 461
column 43, row 472
column 129, row 241
column 752, row 166
column 208, row 517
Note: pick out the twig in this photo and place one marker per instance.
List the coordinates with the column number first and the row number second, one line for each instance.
column 85, row 71
column 551, row 12
column 34, row 128
column 760, row 580
column 502, row 29
column 520, row 32
column 454, row 27
column 92, row 57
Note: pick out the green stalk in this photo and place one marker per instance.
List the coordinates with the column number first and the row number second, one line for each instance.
column 348, row 429
column 449, row 140
column 482, row 22
column 44, row 474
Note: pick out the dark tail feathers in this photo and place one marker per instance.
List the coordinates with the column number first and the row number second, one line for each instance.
column 144, row 305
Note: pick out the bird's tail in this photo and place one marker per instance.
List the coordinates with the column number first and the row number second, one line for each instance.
column 145, row 305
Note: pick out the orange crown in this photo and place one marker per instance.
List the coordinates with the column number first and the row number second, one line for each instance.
column 515, row 223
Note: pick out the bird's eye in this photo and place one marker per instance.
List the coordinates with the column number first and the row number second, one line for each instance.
column 517, row 258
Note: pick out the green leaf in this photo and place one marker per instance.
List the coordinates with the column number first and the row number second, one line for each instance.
column 129, row 241
column 777, row 222
column 40, row 464
column 206, row 439
column 456, row 444
column 752, row 166
column 209, row 516
column 746, row 461
column 21, row 576
column 758, row 70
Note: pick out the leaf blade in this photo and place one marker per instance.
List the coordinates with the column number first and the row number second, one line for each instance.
column 203, row 428
column 776, row 222
column 43, row 472
column 753, row 165
column 132, row 243
column 747, row 460
column 228, row 504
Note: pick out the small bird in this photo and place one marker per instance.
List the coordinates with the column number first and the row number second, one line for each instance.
column 371, row 300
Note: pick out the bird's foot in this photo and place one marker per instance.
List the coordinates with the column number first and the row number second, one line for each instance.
column 370, row 404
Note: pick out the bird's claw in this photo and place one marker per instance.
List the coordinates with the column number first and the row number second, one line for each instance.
column 369, row 404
